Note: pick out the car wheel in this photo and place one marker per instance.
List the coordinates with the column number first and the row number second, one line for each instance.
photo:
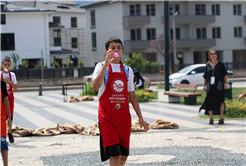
column 185, row 82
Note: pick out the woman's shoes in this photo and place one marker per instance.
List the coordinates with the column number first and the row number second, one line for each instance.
column 221, row 121
column 211, row 121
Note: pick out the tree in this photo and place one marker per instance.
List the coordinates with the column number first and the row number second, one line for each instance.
column 158, row 45
column 14, row 57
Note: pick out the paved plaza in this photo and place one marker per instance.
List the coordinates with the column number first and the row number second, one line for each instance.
column 194, row 143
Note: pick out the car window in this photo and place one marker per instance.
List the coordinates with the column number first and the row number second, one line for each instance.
column 184, row 70
column 199, row 70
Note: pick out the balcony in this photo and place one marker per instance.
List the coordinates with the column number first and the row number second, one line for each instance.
column 188, row 43
column 135, row 20
column 136, row 44
column 192, row 19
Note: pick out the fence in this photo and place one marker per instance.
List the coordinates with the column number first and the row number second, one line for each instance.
column 52, row 73
column 83, row 71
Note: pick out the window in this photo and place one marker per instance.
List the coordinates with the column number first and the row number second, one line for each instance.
column 200, row 9
column 7, row 41
column 93, row 18
column 216, row 32
column 94, row 40
column 201, row 33
column 57, row 20
column 135, row 34
column 74, row 22
column 174, row 8
column 57, row 37
column 135, row 10
column 216, row 9
column 74, row 43
column 237, row 9
column 2, row 7
column 150, row 9
column 237, row 31
column 3, row 19
column 151, row 34
column 177, row 33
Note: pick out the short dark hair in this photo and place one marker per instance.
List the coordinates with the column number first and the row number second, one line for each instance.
column 6, row 59
column 113, row 39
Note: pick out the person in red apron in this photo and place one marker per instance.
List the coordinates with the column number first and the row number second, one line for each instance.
column 10, row 79
column 4, row 106
column 113, row 112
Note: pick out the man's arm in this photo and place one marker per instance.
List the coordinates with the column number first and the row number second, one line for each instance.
column 97, row 82
column 6, row 103
column 241, row 96
column 134, row 101
column 7, row 80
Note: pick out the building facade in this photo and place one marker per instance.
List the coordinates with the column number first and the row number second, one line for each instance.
column 199, row 26
column 35, row 29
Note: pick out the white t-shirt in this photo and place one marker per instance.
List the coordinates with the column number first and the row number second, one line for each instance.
column 115, row 68
column 13, row 77
column 140, row 83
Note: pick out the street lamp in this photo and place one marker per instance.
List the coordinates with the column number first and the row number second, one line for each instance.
column 174, row 33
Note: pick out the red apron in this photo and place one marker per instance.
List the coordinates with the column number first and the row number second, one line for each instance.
column 10, row 94
column 114, row 114
column 3, row 118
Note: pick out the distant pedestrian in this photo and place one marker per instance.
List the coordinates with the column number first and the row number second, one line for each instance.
column 11, row 81
column 115, row 84
column 214, row 82
column 138, row 80
column 241, row 96
column 4, row 108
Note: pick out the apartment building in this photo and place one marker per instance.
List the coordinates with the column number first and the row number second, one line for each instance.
column 199, row 27
column 56, row 28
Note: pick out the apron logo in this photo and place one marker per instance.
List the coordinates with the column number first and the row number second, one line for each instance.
column 8, row 86
column 117, row 106
column 118, row 85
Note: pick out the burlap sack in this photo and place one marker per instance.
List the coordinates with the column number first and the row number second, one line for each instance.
column 93, row 130
column 136, row 127
column 163, row 124
column 79, row 129
column 55, row 130
column 21, row 132
column 67, row 129
column 86, row 98
column 41, row 132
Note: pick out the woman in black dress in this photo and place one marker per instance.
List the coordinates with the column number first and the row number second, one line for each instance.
column 138, row 80
column 214, row 82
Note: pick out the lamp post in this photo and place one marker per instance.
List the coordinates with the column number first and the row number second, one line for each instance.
column 174, row 34
column 166, row 39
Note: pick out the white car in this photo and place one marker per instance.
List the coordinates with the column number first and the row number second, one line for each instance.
column 192, row 74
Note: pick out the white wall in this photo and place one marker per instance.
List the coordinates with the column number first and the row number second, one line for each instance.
column 31, row 34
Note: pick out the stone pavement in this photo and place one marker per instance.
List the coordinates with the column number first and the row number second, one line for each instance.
column 194, row 143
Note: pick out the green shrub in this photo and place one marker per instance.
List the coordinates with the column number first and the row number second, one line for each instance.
column 235, row 109
column 57, row 64
column 46, row 65
column 142, row 96
column 36, row 66
column 81, row 63
column 89, row 90
column 24, row 65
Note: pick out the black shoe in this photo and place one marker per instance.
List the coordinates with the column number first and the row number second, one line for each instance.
column 221, row 121
column 211, row 121
column 11, row 138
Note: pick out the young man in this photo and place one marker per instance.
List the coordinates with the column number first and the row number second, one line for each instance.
column 10, row 79
column 115, row 84
column 4, row 106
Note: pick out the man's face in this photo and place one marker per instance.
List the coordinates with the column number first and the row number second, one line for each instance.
column 116, row 47
column 7, row 65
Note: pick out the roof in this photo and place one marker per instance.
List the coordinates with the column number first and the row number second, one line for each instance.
column 99, row 3
column 44, row 5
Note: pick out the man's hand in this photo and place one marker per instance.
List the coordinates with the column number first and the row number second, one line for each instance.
column 109, row 57
column 7, row 80
column 240, row 97
column 143, row 124
column 204, row 88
